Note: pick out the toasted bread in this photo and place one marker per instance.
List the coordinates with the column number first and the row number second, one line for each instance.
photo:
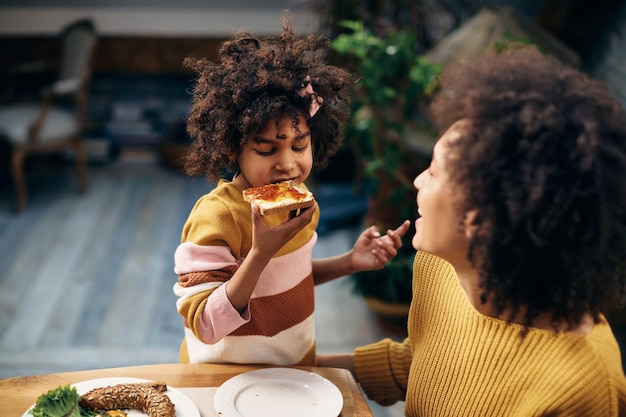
column 279, row 197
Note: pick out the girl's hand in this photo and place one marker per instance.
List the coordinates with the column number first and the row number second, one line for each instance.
column 266, row 241
column 372, row 251
column 269, row 239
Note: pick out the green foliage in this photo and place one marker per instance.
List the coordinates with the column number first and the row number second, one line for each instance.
column 511, row 41
column 58, row 402
column 392, row 283
column 390, row 66
column 394, row 78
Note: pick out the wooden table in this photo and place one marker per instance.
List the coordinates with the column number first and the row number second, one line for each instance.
column 19, row 393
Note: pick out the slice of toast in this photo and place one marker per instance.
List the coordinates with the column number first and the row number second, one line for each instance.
column 279, row 197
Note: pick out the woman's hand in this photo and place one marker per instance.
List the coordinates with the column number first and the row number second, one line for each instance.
column 372, row 251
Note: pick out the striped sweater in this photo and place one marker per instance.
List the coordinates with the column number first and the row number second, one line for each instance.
column 458, row 362
column 277, row 327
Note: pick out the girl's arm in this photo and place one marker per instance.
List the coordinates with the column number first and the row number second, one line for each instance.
column 266, row 241
column 371, row 251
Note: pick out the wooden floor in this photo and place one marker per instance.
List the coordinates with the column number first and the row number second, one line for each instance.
column 86, row 280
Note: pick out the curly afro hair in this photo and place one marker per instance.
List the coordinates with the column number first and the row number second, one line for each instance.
column 256, row 80
column 544, row 166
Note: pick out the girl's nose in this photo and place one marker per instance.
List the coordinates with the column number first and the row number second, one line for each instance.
column 285, row 162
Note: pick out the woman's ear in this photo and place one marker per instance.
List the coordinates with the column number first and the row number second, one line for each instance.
column 469, row 223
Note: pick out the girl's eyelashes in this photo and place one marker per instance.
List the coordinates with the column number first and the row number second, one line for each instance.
column 297, row 149
column 300, row 149
column 264, row 153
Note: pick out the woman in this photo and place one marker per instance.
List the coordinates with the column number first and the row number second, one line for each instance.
column 521, row 245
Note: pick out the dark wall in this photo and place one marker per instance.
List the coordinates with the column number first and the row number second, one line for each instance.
column 181, row 4
column 114, row 54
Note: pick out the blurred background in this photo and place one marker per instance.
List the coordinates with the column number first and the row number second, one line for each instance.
column 86, row 262
column 138, row 91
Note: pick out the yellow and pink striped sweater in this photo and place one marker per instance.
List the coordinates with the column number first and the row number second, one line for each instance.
column 277, row 327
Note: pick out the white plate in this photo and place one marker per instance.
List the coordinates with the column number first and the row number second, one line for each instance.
column 183, row 404
column 277, row 392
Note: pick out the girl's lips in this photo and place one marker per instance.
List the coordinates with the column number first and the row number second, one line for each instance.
column 286, row 179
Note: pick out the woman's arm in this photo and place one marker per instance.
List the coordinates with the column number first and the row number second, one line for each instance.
column 381, row 368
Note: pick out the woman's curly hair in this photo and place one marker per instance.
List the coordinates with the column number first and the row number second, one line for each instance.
column 256, row 80
column 544, row 167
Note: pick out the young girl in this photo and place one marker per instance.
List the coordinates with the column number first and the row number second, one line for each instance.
column 267, row 111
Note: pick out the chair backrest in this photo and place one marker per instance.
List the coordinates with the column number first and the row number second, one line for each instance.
column 78, row 43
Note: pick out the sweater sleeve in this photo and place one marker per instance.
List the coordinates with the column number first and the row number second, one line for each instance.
column 202, row 298
column 204, row 261
column 382, row 370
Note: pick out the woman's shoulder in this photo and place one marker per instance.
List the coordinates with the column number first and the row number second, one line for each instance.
column 432, row 273
column 604, row 345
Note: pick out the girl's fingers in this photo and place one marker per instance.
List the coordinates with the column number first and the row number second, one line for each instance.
column 381, row 256
column 403, row 228
column 373, row 232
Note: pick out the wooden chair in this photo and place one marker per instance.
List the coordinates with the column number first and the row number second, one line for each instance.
column 55, row 123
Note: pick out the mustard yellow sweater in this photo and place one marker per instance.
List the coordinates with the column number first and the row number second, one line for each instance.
column 458, row 362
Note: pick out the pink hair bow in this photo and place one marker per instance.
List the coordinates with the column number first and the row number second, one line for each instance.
column 316, row 101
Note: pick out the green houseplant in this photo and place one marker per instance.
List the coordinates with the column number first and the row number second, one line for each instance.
column 394, row 80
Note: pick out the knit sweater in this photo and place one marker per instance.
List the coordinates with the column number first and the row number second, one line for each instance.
column 277, row 326
column 458, row 362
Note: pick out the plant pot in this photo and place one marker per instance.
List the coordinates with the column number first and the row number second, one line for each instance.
column 388, row 309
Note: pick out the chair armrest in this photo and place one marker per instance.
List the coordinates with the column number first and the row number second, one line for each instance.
column 67, row 86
